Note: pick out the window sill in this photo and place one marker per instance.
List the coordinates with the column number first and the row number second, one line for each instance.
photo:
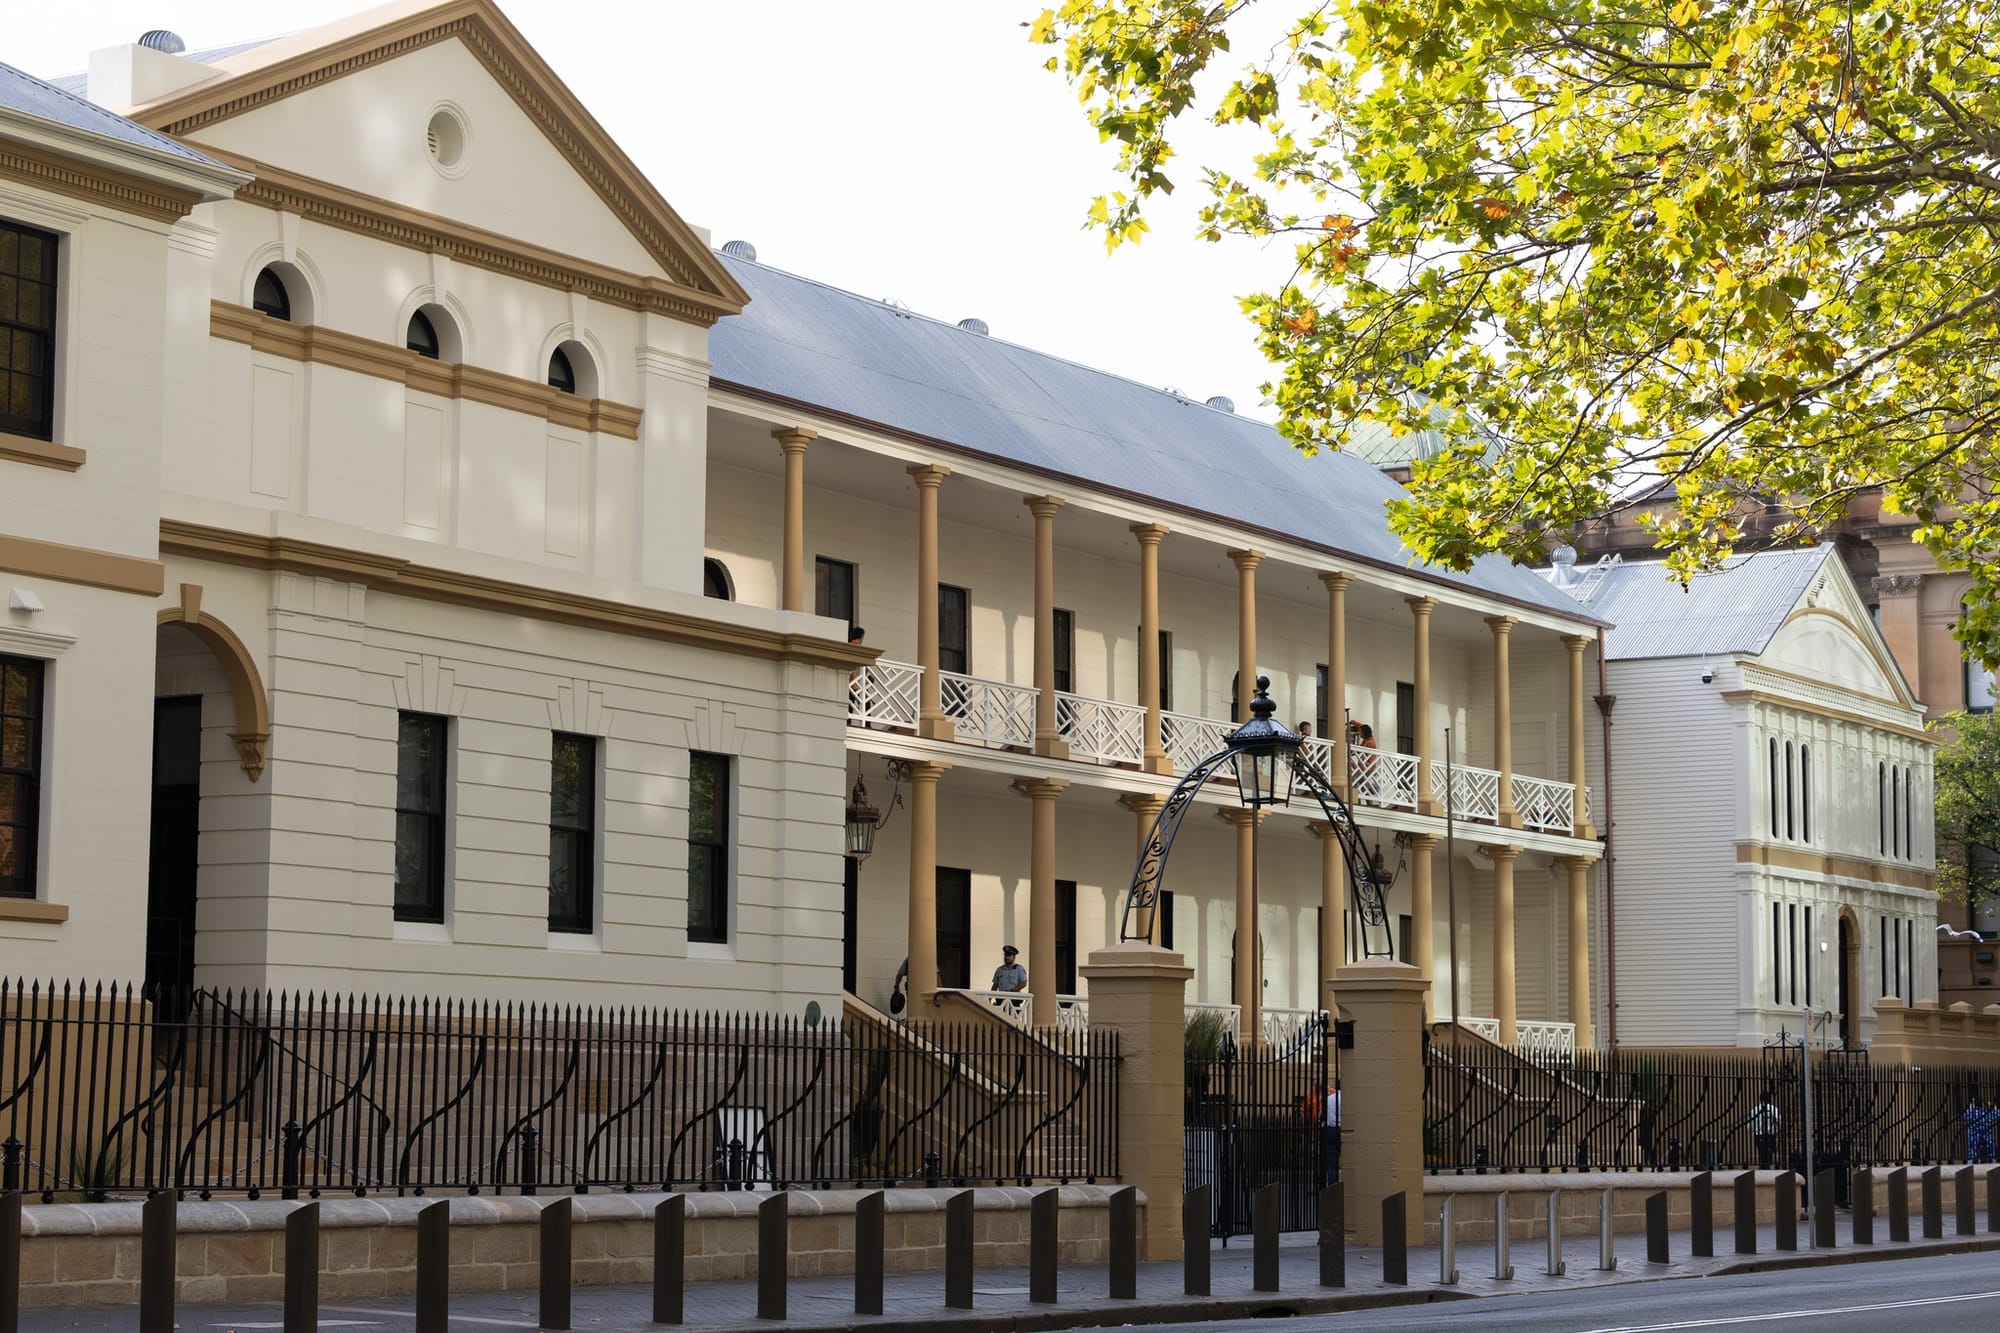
column 422, row 932
column 40, row 453
column 718, row 952
column 33, row 909
column 575, row 941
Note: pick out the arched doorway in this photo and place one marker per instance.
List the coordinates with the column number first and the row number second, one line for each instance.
column 1850, row 981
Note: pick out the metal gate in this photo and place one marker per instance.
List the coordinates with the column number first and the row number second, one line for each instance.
column 1257, row 1117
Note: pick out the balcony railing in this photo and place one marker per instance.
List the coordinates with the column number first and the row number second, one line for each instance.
column 884, row 694
column 1110, row 733
column 1073, row 1014
column 1545, row 805
column 1188, row 739
column 1383, row 777
column 1016, row 1005
column 1536, row 1038
column 1283, row 1027
column 1474, row 793
column 992, row 712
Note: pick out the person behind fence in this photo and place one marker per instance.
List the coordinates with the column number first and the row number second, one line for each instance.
column 1764, row 1130
column 1010, row 975
column 1979, row 1118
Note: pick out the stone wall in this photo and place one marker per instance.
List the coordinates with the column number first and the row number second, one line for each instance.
column 88, row 1254
column 1924, row 1034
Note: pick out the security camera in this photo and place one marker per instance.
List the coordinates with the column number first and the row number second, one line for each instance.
column 1708, row 675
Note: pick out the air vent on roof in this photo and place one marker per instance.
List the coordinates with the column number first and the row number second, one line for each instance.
column 1173, row 392
column 159, row 39
column 975, row 325
column 740, row 250
column 899, row 306
column 1222, row 404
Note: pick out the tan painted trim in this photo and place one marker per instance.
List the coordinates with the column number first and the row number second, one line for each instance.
column 1845, row 867
column 701, row 278
column 81, row 565
column 425, row 583
column 321, row 345
column 94, row 184
column 1821, row 710
column 33, row 909
column 246, row 683
column 40, row 453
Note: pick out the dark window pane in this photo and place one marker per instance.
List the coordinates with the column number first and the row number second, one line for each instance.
column 1065, row 641
column 20, row 773
column 27, row 331
column 954, row 648
column 708, row 848
column 270, row 297
column 1406, row 717
column 1065, row 937
column 715, row 581
column 833, row 589
column 420, row 816
column 954, row 927
column 572, row 832
column 562, row 375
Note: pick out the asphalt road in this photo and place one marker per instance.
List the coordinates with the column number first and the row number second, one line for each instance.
column 1953, row 1294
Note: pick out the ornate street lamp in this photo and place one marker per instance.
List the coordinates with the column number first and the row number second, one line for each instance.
column 862, row 821
column 1266, row 753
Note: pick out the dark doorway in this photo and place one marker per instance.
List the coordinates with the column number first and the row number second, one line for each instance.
column 175, row 852
column 1850, row 961
column 850, row 924
column 954, row 927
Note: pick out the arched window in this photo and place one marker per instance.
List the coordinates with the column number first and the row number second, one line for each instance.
column 1789, row 802
column 1909, row 824
column 421, row 337
column 715, row 581
column 271, row 297
column 1881, row 808
column 1774, row 786
column 1895, row 811
column 562, row 375
column 1805, row 793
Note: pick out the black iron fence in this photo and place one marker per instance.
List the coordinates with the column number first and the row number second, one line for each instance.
column 1256, row 1117
column 107, row 1091
column 1488, row 1109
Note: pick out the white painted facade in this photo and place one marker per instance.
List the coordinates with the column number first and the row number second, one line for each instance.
column 384, row 537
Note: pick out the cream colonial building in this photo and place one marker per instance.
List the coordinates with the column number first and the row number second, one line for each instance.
column 1787, row 861
column 497, row 543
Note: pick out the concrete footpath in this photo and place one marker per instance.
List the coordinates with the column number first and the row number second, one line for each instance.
column 915, row 1301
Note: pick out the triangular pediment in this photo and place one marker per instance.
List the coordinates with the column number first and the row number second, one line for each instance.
column 553, row 178
column 1828, row 636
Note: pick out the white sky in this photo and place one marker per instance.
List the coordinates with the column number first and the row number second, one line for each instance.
column 900, row 148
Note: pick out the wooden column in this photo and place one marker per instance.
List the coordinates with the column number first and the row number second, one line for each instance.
column 1149, row 536
column 1504, row 1008
column 1420, row 619
column 1421, row 943
column 1579, row 947
column 923, row 885
column 1503, row 722
column 793, row 441
column 1042, row 794
column 931, row 720
column 1048, row 739
column 1578, row 774
column 1248, row 944
column 1332, row 900
column 1335, row 705
column 1246, row 629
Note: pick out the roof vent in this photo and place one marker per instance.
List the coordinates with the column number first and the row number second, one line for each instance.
column 1173, row 392
column 1222, row 404
column 900, row 307
column 159, row 39
column 740, row 250
column 975, row 325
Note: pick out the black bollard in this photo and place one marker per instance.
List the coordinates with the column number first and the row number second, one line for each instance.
column 10, row 1260
column 301, row 1270
column 958, row 1251
column 670, row 1259
column 1861, row 1196
column 1656, row 1227
column 1042, row 1247
column 1746, row 1213
column 556, row 1254
column 1125, row 1244
column 434, row 1268
column 1395, row 1240
column 157, row 1241
column 1333, row 1236
column 773, row 1244
column 869, row 1212
column 1264, row 1237
column 1701, row 1216
column 1823, row 1192
column 1966, row 1192
column 1993, row 1198
column 1195, row 1206
column 1899, row 1204
column 1785, row 1211
column 1933, row 1189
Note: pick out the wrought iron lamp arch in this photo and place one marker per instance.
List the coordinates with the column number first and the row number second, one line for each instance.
column 1262, row 750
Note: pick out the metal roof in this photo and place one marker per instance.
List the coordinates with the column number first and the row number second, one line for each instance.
column 23, row 92
column 805, row 342
column 1734, row 609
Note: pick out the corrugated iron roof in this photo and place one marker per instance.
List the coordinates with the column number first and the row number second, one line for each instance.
column 1735, row 609
column 812, row 344
column 23, row 92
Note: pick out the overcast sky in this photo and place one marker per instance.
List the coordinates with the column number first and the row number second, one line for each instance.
column 900, row 148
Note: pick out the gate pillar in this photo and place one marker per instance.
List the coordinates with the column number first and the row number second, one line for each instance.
column 1382, row 1092
column 1141, row 991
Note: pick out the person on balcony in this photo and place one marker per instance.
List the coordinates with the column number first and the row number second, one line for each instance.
column 1010, row 975
column 1366, row 767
